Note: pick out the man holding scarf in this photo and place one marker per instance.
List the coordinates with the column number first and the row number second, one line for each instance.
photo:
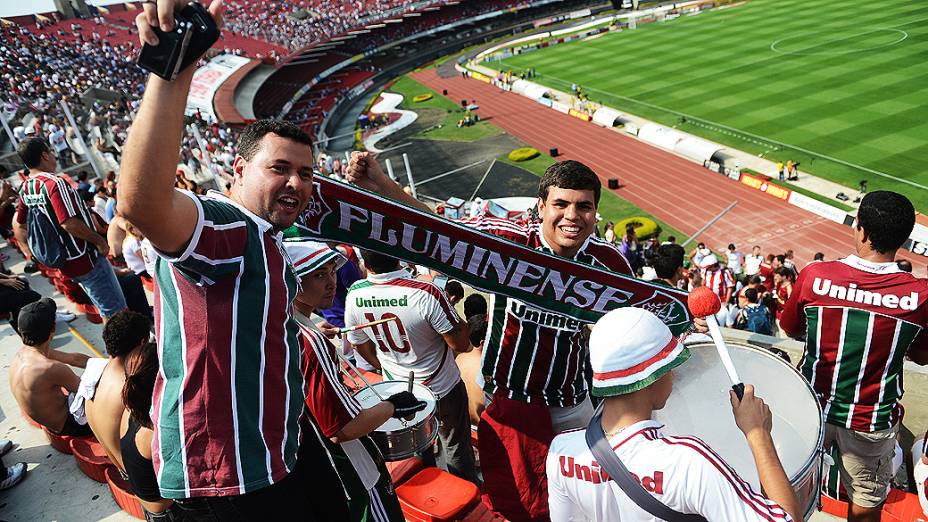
column 533, row 361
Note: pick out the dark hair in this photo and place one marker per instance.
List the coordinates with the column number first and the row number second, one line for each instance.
column 751, row 295
column 731, row 246
column 700, row 245
column 85, row 195
column 755, row 280
column 668, row 260
column 82, row 175
column 475, row 304
column 905, row 265
column 379, row 263
column 478, row 329
column 141, row 370
column 888, row 218
column 819, row 256
column 785, row 272
column 455, row 289
column 30, row 150
column 250, row 139
column 124, row 332
column 672, row 239
column 781, row 259
column 571, row 175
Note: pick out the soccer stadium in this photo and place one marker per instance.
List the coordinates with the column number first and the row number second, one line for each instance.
column 456, row 260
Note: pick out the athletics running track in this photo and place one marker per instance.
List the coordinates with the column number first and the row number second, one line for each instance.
column 681, row 193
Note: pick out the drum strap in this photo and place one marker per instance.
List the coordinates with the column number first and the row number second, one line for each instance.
column 609, row 461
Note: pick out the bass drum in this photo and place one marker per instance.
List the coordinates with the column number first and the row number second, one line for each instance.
column 700, row 406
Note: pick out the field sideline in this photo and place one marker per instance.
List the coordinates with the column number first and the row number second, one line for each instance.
column 789, row 79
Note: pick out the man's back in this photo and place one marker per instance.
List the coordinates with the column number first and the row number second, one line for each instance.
column 860, row 320
column 37, row 388
column 682, row 472
column 413, row 342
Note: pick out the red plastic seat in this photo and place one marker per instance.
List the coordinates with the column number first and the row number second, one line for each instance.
column 433, row 495
column 62, row 443
column 91, row 458
column 403, row 470
column 122, row 493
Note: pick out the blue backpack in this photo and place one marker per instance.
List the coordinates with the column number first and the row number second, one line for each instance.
column 44, row 241
column 756, row 319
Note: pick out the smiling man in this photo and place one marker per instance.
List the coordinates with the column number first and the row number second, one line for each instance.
column 229, row 395
column 533, row 361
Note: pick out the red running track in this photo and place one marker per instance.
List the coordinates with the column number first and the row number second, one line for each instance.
column 681, row 193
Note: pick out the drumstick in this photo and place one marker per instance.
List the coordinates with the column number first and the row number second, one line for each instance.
column 357, row 371
column 411, row 376
column 365, row 325
column 703, row 303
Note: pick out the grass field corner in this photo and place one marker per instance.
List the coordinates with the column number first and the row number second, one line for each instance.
column 448, row 130
column 611, row 206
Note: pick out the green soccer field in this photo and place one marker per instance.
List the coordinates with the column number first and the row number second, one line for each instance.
column 840, row 86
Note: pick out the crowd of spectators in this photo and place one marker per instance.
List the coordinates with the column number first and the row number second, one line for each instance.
column 299, row 23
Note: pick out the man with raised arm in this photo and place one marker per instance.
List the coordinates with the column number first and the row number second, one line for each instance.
column 229, row 395
column 533, row 361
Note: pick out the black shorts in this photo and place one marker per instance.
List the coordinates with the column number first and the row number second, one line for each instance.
column 72, row 428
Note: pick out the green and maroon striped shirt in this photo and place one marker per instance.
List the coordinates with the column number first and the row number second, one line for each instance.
column 860, row 320
column 530, row 354
column 230, row 391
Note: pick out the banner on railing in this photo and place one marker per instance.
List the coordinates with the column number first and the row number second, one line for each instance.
column 763, row 186
column 346, row 214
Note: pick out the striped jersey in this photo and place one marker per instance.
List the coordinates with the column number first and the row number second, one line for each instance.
column 229, row 391
column 531, row 354
column 413, row 340
column 684, row 473
column 720, row 281
column 860, row 320
column 58, row 200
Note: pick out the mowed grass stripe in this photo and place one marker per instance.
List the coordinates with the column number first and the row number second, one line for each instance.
column 831, row 96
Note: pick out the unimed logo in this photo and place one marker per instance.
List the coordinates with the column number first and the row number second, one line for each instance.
column 593, row 473
column 856, row 295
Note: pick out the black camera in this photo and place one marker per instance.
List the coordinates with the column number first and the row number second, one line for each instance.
column 194, row 32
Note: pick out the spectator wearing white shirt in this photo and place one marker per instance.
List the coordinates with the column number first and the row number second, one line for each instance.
column 753, row 261
column 735, row 261
column 633, row 355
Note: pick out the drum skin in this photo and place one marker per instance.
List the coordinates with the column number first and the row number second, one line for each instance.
column 400, row 439
column 700, row 406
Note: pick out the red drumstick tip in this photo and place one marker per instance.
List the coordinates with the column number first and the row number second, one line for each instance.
column 703, row 302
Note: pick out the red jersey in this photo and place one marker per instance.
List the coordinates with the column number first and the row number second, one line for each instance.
column 860, row 320
column 58, row 200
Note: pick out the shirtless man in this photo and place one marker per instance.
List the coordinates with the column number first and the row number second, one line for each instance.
column 123, row 334
column 39, row 375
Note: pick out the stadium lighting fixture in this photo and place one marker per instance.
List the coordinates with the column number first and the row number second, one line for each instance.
column 359, row 31
column 393, row 21
column 375, row 26
column 410, row 15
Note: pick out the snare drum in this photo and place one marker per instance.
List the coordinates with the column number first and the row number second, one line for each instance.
column 400, row 439
column 700, row 406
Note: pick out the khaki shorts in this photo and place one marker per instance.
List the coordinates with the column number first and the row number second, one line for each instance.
column 865, row 462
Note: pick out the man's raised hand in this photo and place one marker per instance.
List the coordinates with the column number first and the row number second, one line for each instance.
column 364, row 171
column 157, row 13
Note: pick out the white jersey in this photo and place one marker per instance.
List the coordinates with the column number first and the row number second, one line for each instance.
column 413, row 342
column 734, row 261
column 752, row 264
column 682, row 472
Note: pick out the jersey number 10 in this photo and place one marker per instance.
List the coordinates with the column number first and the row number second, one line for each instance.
column 384, row 334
